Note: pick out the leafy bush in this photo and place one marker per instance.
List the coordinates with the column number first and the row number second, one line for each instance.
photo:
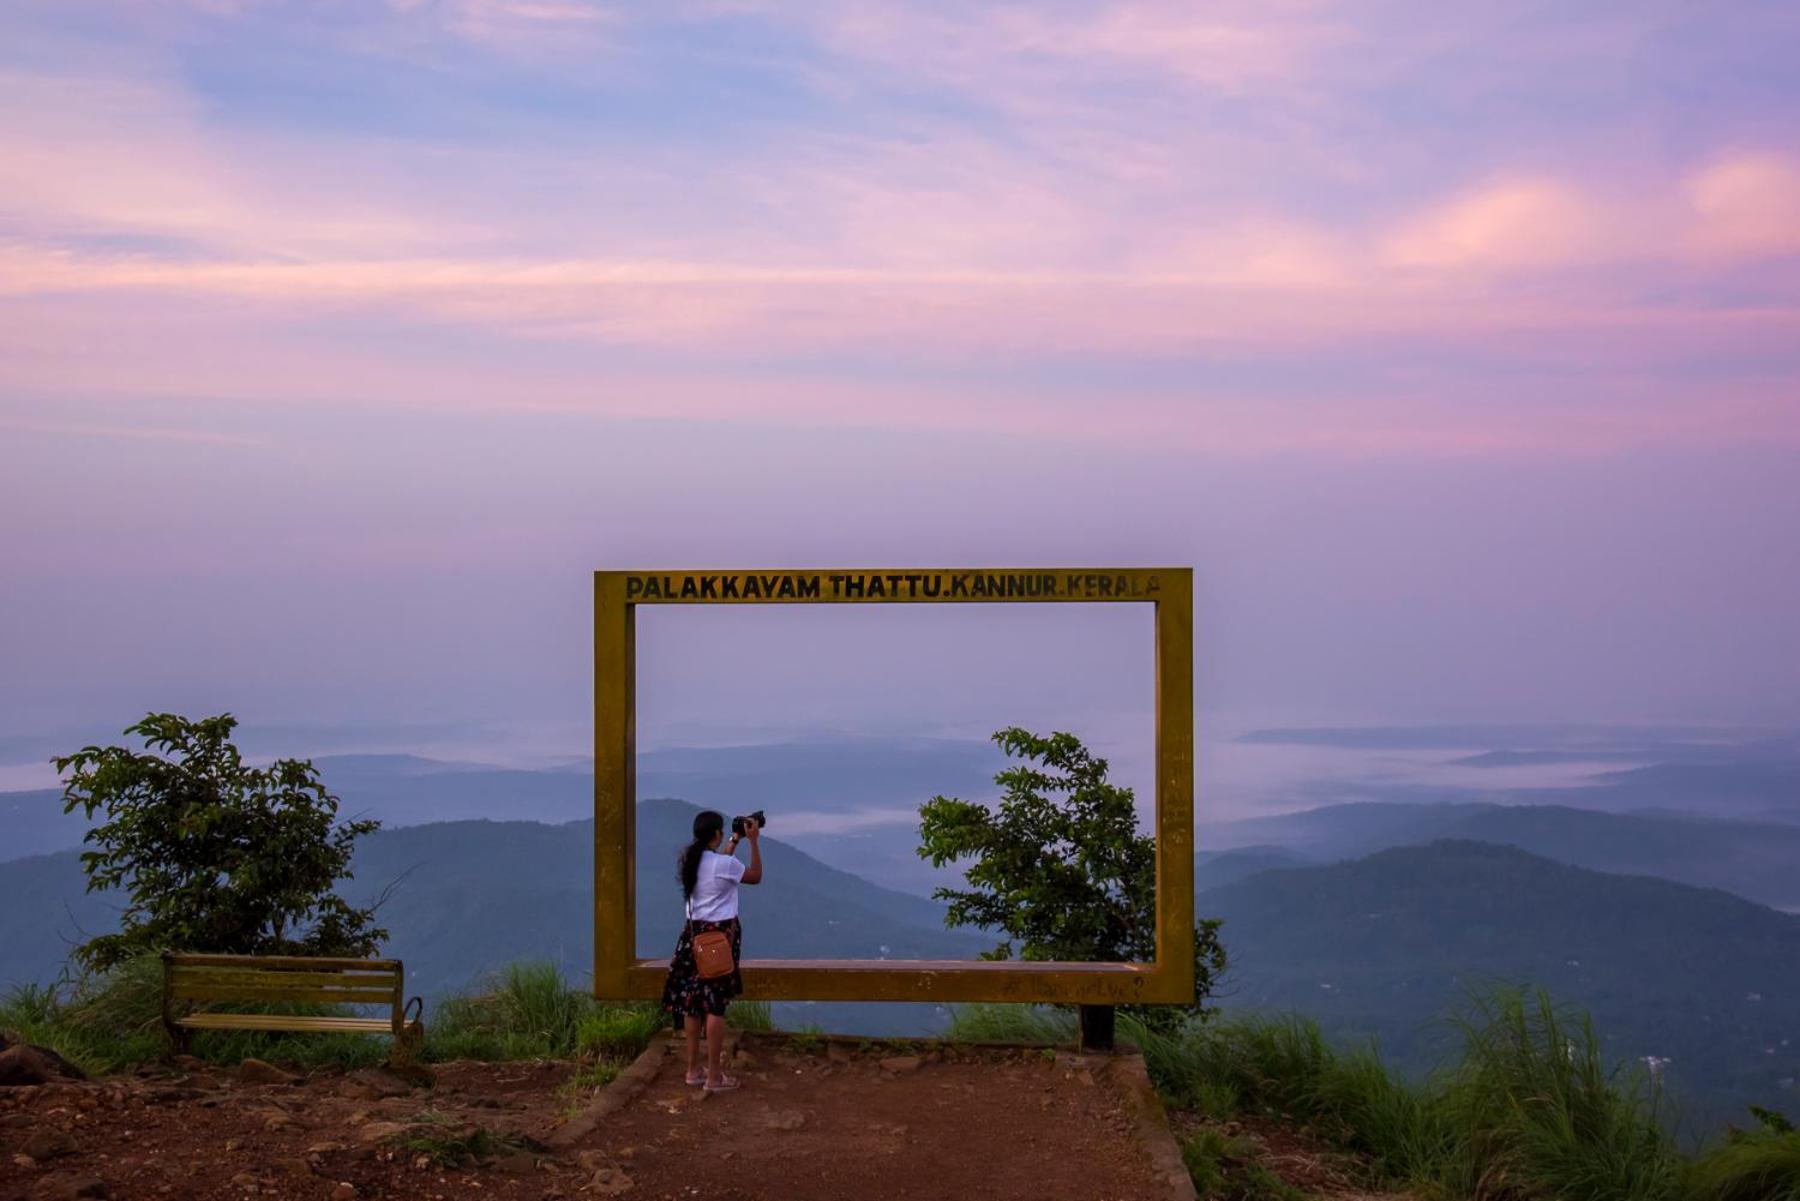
column 214, row 855
column 1059, row 867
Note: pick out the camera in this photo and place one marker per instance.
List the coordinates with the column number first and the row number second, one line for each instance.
column 740, row 826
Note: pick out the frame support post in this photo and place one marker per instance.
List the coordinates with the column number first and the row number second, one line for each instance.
column 1097, row 1027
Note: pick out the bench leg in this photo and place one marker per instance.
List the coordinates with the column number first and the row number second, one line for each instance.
column 407, row 1045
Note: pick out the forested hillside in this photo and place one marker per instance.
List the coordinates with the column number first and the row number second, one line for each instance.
column 1383, row 946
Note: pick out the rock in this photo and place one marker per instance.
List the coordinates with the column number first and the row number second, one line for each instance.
column 837, row 1053
column 294, row 1167
column 609, row 1182
column 247, row 1180
column 900, row 1064
column 68, row 1188
column 376, row 1084
column 345, row 1191
column 20, row 1065
column 49, row 1143
column 170, row 1094
column 519, row 1163
column 255, row 1071
column 784, row 1119
column 379, row 1132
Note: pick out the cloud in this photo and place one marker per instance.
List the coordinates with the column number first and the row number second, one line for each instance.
column 1507, row 224
column 134, row 433
column 1746, row 205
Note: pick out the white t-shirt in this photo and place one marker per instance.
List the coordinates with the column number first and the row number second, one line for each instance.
column 716, row 888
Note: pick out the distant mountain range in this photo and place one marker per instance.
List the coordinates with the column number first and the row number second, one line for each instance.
column 1756, row 860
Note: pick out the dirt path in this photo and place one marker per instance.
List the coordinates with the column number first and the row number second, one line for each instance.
column 836, row 1124
column 811, row 1123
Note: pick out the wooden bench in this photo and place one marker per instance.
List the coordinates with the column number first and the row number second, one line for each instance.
column 274, row 978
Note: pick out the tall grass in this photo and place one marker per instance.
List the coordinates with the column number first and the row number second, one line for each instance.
column 1531, row 1111
column 1762, row 1164
column 1542, row 1114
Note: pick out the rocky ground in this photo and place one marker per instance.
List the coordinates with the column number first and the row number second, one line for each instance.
column 813, row 1121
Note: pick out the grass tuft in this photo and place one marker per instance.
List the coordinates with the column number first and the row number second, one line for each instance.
column 453, row 1148
column 1761, row 1164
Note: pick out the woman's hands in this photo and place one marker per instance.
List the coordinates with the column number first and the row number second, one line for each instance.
column 753, row 873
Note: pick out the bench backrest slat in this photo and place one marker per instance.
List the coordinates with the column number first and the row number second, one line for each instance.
column 244, row 978
column 274, row 962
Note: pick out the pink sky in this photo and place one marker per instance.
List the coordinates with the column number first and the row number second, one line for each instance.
column 1458, row 350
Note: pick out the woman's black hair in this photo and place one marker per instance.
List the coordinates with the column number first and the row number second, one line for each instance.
column 707, row 826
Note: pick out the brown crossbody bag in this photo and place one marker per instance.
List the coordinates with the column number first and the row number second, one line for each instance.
column 712, row 953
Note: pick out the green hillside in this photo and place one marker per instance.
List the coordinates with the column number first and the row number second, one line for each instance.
column 1381, row 947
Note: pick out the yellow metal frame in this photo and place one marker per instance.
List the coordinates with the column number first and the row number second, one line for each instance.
column 1168, row 979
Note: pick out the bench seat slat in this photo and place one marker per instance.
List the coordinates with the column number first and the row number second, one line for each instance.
column 279, row 1021
column 311, row 995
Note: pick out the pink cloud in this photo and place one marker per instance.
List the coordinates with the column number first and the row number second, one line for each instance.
column 1519, row 223
column 1746, row 205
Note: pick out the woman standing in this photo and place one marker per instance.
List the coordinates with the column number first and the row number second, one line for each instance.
column 710, row 882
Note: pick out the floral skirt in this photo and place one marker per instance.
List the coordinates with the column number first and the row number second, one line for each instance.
column 685, row 994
